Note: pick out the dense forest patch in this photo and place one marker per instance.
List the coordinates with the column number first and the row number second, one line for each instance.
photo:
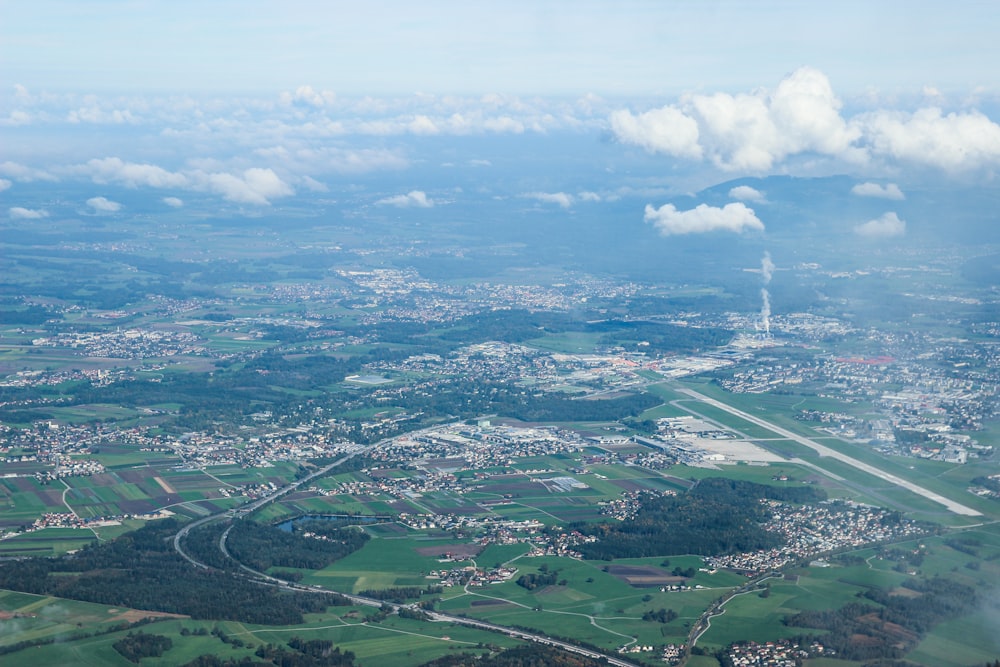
column 141, row 570
column 715, row 517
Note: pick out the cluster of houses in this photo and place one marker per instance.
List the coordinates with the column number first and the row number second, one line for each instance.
column 128, row 344
column 780, row 653
column 67, row 467
column 810, row 530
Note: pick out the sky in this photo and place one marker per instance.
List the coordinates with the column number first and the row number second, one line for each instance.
column 514, row 47
column 254, row 102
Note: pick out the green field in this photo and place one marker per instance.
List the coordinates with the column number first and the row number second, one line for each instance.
column 38, row 618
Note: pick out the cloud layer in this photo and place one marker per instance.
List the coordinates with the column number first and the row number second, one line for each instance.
column 257, row 150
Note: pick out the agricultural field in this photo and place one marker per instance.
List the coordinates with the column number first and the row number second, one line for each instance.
column 56, row 623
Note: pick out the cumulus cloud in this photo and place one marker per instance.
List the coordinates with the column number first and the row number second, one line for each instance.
column 666, row 130
column 887, row 191
column 306, row 95
column 746, row 193
column 95, row 114
column 747, row 132
column 734, row 217
column 103, row 205
column 501, row 124
column 173, row 202
column 885, row 226
column 253, row 186
column 589, row 196
column 19, row 213
column 131, row 174
column 952, row 142
column 561, row 199
column 4, row 184
column 412, row 199
column 422, row 124
column 753, row 132
column 20, row 172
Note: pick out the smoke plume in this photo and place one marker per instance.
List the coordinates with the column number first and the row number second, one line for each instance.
column 766, row 270
column 765, row 310
column 766, row 267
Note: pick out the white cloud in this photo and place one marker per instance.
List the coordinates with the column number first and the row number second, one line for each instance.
column 4, row 184
column 20, row 172
column 734, row 217
column 423, row 125
column 560, row 198
column 19, row 213
column 885, row 226
column 254, row 186
column 746, row 132
column 753, row 132
column 306, row 95
column 94, row 114
column 412, row 199
column 480, row 163
column 173, row 202
column 103, row 205
column 589, row 196
column 953, row 142
column 503, row 124
column 746, row 193
column 313, row 185
column 666, row 130
column 887, row 191
column 17, row 117
column 131, row 174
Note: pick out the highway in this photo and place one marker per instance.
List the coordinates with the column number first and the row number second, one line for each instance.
column 253, row 506
column 266, row 579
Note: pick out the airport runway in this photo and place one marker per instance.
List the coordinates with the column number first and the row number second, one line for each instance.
column 823, row 450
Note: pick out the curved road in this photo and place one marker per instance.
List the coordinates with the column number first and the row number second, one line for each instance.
column 268, row 580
